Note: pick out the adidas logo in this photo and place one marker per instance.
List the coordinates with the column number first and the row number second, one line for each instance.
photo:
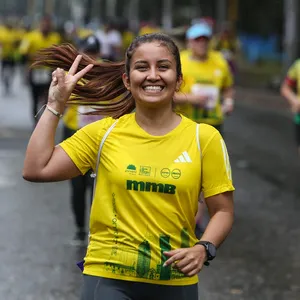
column 183, row 158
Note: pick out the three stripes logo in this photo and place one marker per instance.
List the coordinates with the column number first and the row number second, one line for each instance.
column 183, row 158
column 226, row 160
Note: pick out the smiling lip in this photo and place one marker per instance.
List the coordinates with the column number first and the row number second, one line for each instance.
column 153, row 88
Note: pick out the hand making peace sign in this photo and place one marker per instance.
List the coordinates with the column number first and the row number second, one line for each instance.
column 63, row 83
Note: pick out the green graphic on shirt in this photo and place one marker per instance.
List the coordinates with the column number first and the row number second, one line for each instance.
column 140, row 264
column 141, row 186
column 185, row 238
column 131, row 168
column 145, row 170
column 164, row 244
column 144, row 260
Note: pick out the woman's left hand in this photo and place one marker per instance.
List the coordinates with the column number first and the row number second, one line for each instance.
column 187, row 260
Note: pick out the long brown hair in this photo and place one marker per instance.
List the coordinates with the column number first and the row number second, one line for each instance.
column 103, row 86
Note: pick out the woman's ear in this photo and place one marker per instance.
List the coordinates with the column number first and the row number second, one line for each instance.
column 178, row 83
column 126, row 81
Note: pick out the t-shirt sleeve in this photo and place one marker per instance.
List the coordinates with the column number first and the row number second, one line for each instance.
column 83, row 146
column 216, row 169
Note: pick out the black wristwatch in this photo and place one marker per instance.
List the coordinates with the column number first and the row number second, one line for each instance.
column 210, row 249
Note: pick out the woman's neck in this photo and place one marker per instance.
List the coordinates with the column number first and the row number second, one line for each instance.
column 157, row 121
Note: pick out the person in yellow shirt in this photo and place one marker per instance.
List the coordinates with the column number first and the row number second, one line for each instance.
column 75, row 117
column 148, row 28
column 207, row 80
column 38, row 78
column 150, row 167
column 8, row 42
column 207, row 83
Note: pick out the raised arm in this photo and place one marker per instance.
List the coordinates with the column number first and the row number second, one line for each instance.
column 43, row 160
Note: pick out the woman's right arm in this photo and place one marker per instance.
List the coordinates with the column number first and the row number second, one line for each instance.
column 43, row 161
column 288, row 93
column 181, row 98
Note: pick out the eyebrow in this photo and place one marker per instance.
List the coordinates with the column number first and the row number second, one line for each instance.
column 160, row 61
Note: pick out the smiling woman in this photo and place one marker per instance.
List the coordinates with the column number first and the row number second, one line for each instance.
column 150, row 167
column 153, row 77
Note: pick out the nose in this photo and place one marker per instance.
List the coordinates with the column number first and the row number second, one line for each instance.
column 153, row 74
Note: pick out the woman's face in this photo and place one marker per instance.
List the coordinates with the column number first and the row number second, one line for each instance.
column 152, row 78
column 199, row 46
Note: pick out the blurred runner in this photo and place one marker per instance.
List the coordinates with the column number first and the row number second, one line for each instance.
column 207, row 80
column 8, row 42
column 74, row 119
column 148, row 27
column 290, row 89
column 38, row 78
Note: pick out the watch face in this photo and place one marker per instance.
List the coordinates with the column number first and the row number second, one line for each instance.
column 212, row 250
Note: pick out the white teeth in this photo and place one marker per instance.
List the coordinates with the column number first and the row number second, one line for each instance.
column 153, row 88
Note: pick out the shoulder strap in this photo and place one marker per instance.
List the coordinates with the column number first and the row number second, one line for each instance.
column 198, row 139
column 199, row 147
column 95, row 174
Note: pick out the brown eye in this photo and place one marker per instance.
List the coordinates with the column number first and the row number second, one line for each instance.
column 164, row 67
column 141, row 68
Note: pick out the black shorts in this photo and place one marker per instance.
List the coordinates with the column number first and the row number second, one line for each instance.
column 297, row 132
column 8, row 63
column 99, row 288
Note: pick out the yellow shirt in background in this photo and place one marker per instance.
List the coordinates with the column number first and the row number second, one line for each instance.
column 146, row 194
column 148, row 29
column 8, row 41
column 33, row 41
column 74, row 117
column 207, row 78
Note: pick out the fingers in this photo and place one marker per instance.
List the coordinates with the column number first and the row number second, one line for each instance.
column 190, row 269
column 60, row 75
column 177, row 255
column 83, row 72
column 75, row 65
column 54, row 78
column 171, row 253
column 187, row 260
column 189, row 265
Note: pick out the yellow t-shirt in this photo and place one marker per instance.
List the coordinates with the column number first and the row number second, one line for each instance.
column 148, row 29
column 209, row 78
column 146, row 194
column 74, row 117
column 34, row 41
column 8, row 41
